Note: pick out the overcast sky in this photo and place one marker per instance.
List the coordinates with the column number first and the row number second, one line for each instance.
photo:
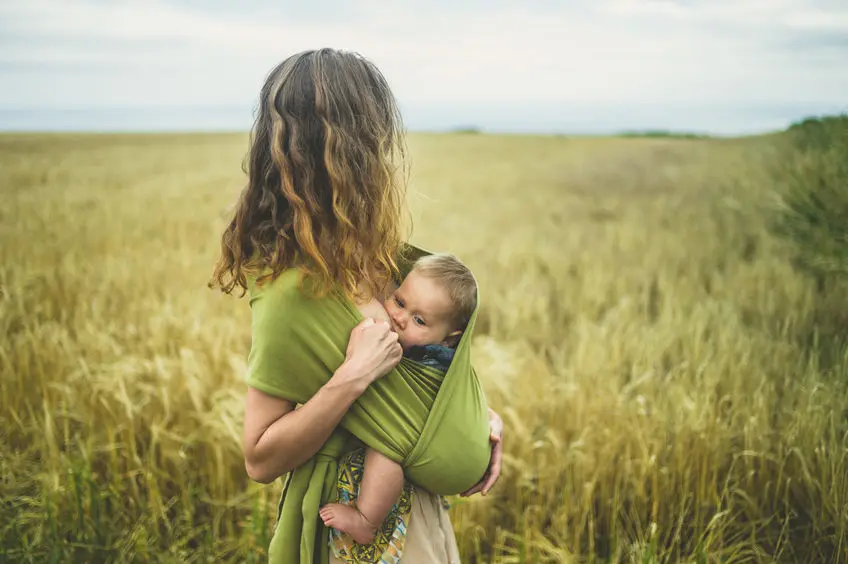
column 440, row 56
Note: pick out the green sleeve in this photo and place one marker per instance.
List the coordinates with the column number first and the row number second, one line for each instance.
column 281, row 352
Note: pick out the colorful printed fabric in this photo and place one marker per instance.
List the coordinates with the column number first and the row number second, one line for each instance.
column 387, row 547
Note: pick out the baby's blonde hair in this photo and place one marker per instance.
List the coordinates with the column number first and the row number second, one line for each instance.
column 457, row 280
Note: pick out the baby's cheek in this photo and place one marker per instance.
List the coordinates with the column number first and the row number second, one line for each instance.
column 414, row 337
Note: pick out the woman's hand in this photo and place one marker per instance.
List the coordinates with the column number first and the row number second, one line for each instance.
column 494, row 471
column 373, row 350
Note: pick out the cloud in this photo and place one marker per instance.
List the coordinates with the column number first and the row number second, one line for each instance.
column 175, row 52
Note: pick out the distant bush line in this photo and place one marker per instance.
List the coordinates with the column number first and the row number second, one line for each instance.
column 663, row 133
column 468, row 129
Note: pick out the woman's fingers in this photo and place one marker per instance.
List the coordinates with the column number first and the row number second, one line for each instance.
column 495, row 430
column 475, row 488
column 494, row 467
column 377, row 330
column 363, row 325
column 390, row 340
column 496, row 436
column 357, row 333
column 390, row 336
column 495, row 425
column 493, row 472
column 486, row 481
column 359, row 330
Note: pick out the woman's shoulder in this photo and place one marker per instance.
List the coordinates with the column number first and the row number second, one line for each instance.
column 291, row 286
column 288, row 292
column 264, row 283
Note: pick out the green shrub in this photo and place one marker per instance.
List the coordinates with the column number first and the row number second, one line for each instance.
column 812, row 178
column 664, row 133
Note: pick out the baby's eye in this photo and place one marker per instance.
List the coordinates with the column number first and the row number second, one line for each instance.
column 418, row 320
column 398, row 301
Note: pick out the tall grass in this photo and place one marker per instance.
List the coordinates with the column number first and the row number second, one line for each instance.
column 812, row 182
column 654, row 353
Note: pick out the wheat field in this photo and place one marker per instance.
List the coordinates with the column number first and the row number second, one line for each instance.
column 673, row 389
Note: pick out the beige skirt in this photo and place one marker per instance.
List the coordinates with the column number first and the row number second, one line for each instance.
column 429, row 538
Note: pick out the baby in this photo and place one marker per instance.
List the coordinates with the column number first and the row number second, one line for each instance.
column 429, row 312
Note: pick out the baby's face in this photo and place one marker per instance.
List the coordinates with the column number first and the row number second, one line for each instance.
column 420, row 311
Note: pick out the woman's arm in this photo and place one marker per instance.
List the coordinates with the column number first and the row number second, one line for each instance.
column 278, row 438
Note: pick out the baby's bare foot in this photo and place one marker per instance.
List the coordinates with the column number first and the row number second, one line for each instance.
column 348, row 520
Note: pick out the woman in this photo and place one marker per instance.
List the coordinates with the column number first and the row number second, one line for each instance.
column 324, row 199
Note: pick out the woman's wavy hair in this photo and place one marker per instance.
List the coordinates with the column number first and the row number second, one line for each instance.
column 326, row 179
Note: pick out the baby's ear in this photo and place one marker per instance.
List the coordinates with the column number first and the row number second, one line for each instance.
column 452, row 340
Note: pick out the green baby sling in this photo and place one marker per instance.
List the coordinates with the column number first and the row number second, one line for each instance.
column 434, row 424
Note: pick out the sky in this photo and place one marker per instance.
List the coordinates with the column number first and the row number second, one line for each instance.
column 717, row 66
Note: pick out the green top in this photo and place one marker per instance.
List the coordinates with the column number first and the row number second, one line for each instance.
column 435, row 425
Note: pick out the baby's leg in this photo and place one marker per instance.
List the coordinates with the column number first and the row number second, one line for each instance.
column 382, row 483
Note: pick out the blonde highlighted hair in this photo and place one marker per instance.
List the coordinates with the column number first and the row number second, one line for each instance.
column 326, row 179
column 457, row 279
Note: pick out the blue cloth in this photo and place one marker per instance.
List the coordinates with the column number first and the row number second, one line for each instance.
column 436, row 356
